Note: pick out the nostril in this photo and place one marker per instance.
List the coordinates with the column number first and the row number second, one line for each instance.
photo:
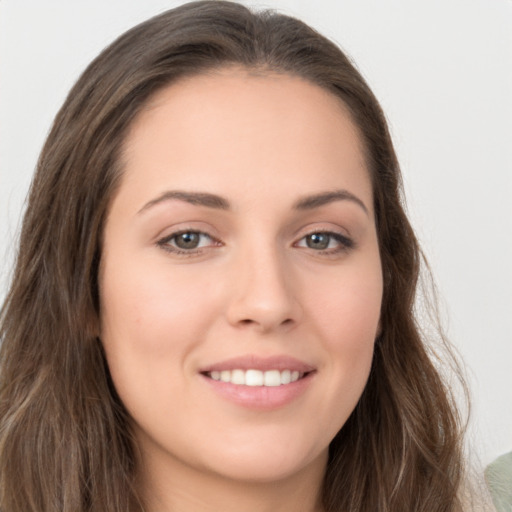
column 249, row 321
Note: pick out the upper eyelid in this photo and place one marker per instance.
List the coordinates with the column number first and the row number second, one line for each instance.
column 328, row 225
column 341, row 234
column 174, row 234
column 165, row 244
column 176, row 230
column 213, row 237
column 342, row 238
column 189, row 230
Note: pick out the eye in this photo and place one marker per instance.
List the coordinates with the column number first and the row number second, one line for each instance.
column 186, row 242
column 326, row 241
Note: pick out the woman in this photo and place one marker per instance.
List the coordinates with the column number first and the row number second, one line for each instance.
column 212, row 307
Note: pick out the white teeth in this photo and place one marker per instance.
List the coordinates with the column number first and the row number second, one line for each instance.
column 238, row 377
column 270, row 378
column 253, row 378
column 286, row 377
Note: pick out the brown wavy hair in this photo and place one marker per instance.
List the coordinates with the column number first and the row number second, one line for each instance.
column 65, row 440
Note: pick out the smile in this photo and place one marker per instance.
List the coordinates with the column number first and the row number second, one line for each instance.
column 253, row 377
column 259, row 383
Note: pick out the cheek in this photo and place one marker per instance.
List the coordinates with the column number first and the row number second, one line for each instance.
column 152, row 312
column 150, row 323
column 348, row 307
column 346, row 315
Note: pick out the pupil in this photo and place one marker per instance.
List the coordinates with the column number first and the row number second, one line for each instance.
column 187, row 240
column 318, row 241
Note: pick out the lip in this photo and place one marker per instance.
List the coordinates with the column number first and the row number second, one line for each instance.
column 253, row 362
column 260, row 398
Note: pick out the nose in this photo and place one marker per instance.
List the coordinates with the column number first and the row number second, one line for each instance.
column 263, row 292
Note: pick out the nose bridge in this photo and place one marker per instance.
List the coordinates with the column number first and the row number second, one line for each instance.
column 263, row 292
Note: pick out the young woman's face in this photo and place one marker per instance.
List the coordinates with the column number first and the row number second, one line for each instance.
column 240, row 279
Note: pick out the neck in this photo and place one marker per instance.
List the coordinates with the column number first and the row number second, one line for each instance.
column 184, row 489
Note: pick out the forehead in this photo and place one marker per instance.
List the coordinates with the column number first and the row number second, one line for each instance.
column 236, row 125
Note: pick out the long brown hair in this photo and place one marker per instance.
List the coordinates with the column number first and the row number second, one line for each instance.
column 65, row 442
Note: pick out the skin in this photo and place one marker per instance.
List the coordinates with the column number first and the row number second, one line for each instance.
column 254, row 286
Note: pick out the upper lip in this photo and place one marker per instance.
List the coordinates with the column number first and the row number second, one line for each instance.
column 253, row 362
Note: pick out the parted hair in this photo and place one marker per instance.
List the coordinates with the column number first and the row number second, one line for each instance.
column 65, row 437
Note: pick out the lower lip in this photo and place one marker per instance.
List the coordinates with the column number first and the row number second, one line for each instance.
column 260, row 397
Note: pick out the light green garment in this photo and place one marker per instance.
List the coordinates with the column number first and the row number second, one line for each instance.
column 499, row 479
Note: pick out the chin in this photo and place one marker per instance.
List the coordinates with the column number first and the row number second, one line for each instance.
column 264, row 463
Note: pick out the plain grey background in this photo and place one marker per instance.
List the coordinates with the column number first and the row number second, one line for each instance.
column 442, row 70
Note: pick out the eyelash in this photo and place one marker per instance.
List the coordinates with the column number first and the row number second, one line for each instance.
column 345, row 243
column 164, row 243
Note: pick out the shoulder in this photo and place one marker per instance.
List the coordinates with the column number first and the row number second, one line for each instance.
column 499, row 480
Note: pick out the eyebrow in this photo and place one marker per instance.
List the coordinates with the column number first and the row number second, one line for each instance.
column 323, row 198
column 195, row 198
column 217, row 202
